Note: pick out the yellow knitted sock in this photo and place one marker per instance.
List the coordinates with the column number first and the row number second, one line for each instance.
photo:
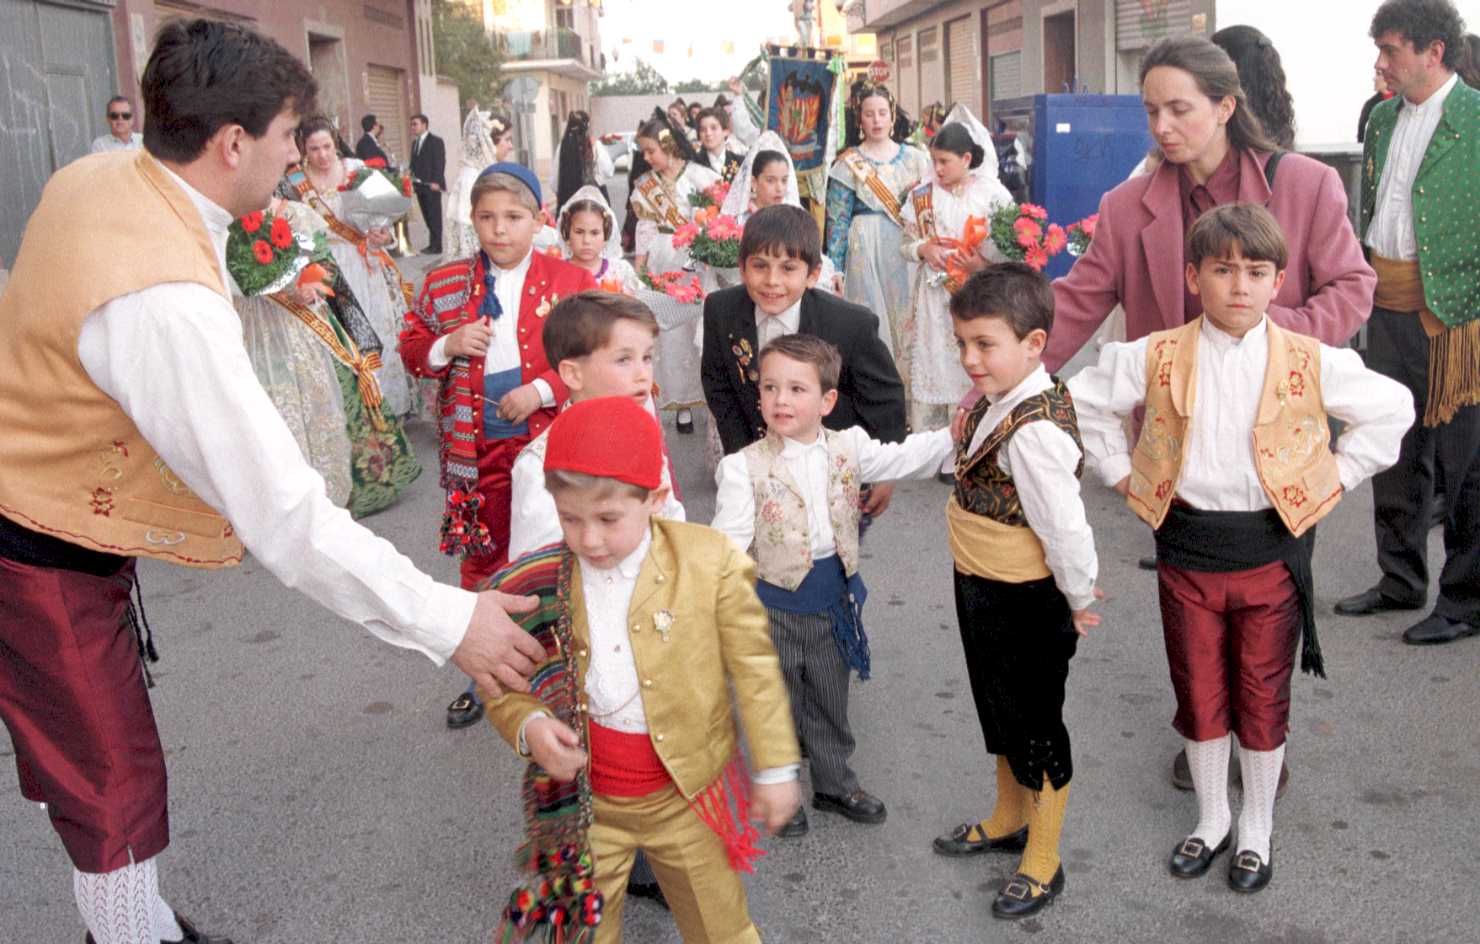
column 1045, row 810
column 1010, row 814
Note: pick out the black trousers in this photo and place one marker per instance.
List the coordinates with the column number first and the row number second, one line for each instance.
column 430, row 202
column 1444, row 458
column 1018, row 639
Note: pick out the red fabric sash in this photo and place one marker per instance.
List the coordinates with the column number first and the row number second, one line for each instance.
column 625, row 765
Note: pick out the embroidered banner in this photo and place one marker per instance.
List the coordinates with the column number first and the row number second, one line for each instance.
column 799, row 109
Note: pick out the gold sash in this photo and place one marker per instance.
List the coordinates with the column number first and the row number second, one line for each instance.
column 865, row 174
column 986, row 548
column 923, row 200
column 363, row 365
column 656, row 194
column 1454, row 353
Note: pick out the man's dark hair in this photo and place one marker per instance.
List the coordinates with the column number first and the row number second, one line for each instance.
column 808, row 349
column 368, row 123
column 783, row 231
column 718, row 114
column 1422, row 23
column 115, row 100
column 1017, row 293
column 1248, row 227
column 204, row 75
column 422, row 118
column 581, row 324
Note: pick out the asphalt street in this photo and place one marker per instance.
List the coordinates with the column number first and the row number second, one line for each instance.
column 317, row 796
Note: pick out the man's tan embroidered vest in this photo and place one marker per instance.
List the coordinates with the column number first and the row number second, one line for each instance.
column 74, row 465
column 1291, row 438
column 782, row 547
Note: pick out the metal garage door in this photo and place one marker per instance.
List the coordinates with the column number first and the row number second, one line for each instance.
column 962, row 63
column 1139, row 24
column 1007, row 75
column 386, row 99
column 932, row 70
column 909, row 87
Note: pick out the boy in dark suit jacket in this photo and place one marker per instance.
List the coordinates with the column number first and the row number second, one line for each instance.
column 780, row 257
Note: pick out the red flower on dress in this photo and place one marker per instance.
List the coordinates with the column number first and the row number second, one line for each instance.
column 1294, row 494
column 281, row 233
column 1297, row 384
column 1163, row 489
column 252, row 222
column 1164, row 374
column 262, row 252
column 102, row 501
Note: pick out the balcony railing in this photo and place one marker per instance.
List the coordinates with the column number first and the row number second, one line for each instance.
column 558, row 43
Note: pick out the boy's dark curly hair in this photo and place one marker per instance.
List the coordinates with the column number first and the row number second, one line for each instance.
column 1423, row 22
column 1262, row 75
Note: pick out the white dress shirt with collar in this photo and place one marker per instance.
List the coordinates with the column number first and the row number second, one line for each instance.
column 1390, row 234
column 1219, row 473
column 1041, row 458
column 919, row 456
column 503, row 348
column 172, row 356
column 106, row 143
column 770, row 327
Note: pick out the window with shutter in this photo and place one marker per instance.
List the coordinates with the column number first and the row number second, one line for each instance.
column 961, row 64
column 1007, row 75
column 387, row 103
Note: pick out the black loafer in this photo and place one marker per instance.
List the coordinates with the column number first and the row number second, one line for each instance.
column 1434, row 630
column 1022, row 896
column 797, row 827
column 464, row 710
column 1248, row 873
column 1371, row 601
column 860, row 806
column 1193, row 857
column 684, row 423
column 958, row 842
column 652, row 891
column 1147, row 563
column 192, row 934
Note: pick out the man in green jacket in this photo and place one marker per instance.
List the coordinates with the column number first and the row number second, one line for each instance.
column 1420, row 188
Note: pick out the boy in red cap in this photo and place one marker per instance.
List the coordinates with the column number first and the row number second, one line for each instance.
column 647, row 625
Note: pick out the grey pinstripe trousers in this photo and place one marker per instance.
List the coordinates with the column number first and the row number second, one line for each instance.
column 817, row 680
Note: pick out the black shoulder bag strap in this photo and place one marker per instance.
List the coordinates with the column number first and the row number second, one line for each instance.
column 1270, row 166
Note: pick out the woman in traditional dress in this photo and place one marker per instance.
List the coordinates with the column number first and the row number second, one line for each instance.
column 591, row 239
column 963, row 185
column 378, row 287
column 580, row 161
column 486, row 139
column 768, row 178
column 865, row 191
column 381, row 460
column 661, row 197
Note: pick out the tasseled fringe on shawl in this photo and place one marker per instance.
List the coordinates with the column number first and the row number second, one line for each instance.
column 724, row 806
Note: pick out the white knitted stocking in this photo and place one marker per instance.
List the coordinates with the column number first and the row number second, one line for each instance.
column 118, row 906
column 1261, row 770
column 1208, row 761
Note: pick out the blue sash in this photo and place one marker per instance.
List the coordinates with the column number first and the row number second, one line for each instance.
column 495, row 385
column 826, row 590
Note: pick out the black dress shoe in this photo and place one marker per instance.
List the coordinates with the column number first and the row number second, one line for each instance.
column 1147, row 563
column 652, row 891
column 1248, row 873
column 797, row 827
column 1192, row 858
column 192, row 934
column 1371, row 601
column 958, row 842
column 464, row 710
column 1434, row 629
column 1022, row 896
column 1182, row 775
column 860, row 806
column 684, row 422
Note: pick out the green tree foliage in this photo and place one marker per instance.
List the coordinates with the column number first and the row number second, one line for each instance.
column 691, row 86
column 465, row 53
column 643, row 80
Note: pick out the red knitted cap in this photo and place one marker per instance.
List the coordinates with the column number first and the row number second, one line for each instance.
column 610, row 437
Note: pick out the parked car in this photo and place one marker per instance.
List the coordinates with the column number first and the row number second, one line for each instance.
column 619, row 146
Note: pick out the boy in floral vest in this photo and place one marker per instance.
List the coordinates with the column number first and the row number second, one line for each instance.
column 792, row 501
column 1233, row 469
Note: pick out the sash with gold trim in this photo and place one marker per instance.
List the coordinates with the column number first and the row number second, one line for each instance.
column 664, row 205
column 343, row 349
column 347, row 232
column 865, row 174
column 922, row 198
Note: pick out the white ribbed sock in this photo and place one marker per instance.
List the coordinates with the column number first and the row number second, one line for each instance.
column 1261, row 770
column 1208, row 761
column 118, row 906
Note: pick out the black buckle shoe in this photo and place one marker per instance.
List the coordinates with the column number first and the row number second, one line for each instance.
column 1022, row 896
column 1193, row 857
column 464, row 710
column 860, row 806
column 797, row 827
column 652, row 891
column 1248, row 873
column 958, row 842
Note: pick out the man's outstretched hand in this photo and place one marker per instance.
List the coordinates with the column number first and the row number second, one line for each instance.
column 496, row 653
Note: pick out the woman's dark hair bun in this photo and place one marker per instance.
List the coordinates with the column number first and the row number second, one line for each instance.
column 977, row 156
column 955, row 138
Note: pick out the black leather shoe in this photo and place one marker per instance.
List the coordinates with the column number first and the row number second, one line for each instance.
column 1371, row 601
column 1022, row 896
column 1248, row 873
column 1192, row 858
column 1147, row 563
column 1434, row 629
column 1182, row 775
column 684, row 422
column 464, row 710
column 192, row 934
column 797, row 827
column 652, row 891
column 860, row 806
column 958, row 842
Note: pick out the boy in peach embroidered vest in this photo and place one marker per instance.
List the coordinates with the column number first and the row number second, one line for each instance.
column 1025, row 569
column 1233, row 469
column 792, row 501
column 647, row 625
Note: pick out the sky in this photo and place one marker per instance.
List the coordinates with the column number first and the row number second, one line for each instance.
column 723, row 34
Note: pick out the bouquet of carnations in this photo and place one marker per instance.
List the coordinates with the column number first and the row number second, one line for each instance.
column 1019, row 233
column 712, row 239
column 264, row 255
column 682, row 287
column 375, row 165
column 1081, row 234
column 711, row 196
column 373, row 197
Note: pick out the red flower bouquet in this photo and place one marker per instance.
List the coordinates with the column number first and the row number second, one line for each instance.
column 711, row 196
column 1019, row 233
column 712, row 239
column 682, row 287
column 1081, row 234
column 264, row 256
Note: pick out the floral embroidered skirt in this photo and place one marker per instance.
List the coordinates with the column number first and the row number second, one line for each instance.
column 382, row 462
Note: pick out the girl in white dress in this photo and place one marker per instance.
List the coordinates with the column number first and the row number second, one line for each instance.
column 963, row 185
column 486, row 140
column 591, row 238
column 865, row 191
column 661, row 199
column 768, row 178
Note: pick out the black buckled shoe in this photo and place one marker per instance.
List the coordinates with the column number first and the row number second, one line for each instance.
column 192, row 934
column 860, row 806
column 1371, row 601
column 1193, row 857
column 797, row 827
column 652, row 891
column 1435, row 629
column 464, row 710
column 1022, row 896
column 959, row 842
column 1248, row 873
